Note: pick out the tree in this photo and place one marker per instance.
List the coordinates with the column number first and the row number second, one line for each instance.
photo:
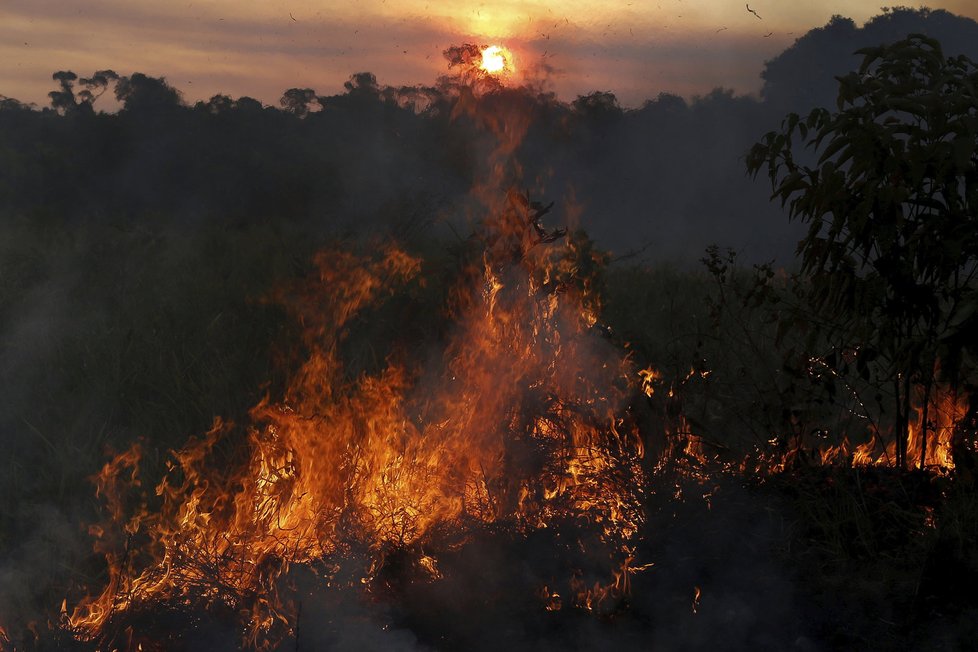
column 96, row 85
column 298, row 100
column 218, row 104
column 144, row 94
column 63, row 100
column 362, row 84
column 891, row 205
column 245, row 104
column 10, row 104
column 598, row 109
column 804, row 75
column 66, row 101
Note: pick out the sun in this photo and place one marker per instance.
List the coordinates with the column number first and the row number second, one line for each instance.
column 496, row 60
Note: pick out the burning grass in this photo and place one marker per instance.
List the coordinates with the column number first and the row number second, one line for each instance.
column 412, row 470
column 512, row 418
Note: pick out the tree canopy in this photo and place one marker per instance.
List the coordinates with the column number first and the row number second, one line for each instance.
column 891, row 205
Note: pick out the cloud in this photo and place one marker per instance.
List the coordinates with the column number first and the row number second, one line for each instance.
column 203, row 54
column 261, row 49
column 637, row 70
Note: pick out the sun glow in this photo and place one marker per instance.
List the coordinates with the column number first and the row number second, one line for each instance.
column 496, row 60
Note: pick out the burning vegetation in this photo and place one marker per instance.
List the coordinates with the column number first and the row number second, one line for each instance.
column 512, row 418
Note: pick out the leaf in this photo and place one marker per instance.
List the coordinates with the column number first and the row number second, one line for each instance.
column 833, row 148
column 891, row 207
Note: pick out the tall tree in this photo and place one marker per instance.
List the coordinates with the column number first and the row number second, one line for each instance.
column 298, row 100
column 144, row 94
column 891, row 204
column 96, row 85
column 63, row 99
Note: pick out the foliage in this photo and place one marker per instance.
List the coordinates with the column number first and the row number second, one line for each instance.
column 891, row 205
column 713, row 337
column 804, row 75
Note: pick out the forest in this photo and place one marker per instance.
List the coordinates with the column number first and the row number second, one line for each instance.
column 465, row 365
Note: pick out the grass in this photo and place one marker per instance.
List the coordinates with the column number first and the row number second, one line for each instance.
column 113, row 333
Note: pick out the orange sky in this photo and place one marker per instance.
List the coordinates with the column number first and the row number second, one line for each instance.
column 635, row 48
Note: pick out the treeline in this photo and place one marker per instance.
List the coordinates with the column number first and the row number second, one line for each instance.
column 375, row 153
column 671, row 171
column 667, row 176
column 229, row 159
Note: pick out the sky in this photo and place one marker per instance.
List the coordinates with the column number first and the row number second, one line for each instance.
column 260, row 48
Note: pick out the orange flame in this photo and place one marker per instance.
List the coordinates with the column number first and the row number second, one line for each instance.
column 515, row 423
column 946, row 411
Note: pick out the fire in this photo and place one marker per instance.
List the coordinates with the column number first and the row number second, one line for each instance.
column 509, row 414
column 946, row 408
column 940, row 435
column 514, row 425
column 496, row 60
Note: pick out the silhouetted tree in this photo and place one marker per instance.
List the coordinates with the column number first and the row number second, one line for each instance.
column 362, row 84
column 464, row 61
column 600, row 106
column 96, row 85
column 804, row 76
column 297, row 101
column 10, row 104
column 247, row 104
column 142, row 93
column 218, row 104
column 892, row 211
column 666, row 103
column 63, row 100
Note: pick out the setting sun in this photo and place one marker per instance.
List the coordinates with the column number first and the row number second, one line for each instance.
column 496, row 60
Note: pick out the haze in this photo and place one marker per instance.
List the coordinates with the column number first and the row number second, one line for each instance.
column 635, row 49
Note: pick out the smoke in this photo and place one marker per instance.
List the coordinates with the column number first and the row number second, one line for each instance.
column 728, row 545
column 484, row 599
column 46, row 554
